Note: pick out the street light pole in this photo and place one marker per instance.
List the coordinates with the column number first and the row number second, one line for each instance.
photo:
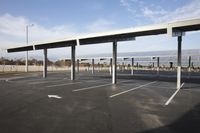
column 27, row 26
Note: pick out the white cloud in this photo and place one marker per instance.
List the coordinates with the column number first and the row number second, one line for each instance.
column 13, row 34
column 13, row 29
column 158, row 14
column 125, row 3
column 39, row 32
column 152, row 13
column 11, row 25
column 189, row 11
column 128, row 5
column 100, row 25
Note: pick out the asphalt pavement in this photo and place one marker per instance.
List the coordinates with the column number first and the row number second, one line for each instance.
column 91, row 104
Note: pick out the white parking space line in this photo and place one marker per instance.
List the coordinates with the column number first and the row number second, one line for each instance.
column 14, row 78
column 63, row 84
column 54, row 96
column 43, row 82
column 93, row 81
column 170, row 99
column 57, row 85
column 27, row 80
column 182, row 85
column 132, row 89
column 92, row 87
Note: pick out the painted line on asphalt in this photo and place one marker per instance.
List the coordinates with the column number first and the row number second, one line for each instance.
column 92, row 87
column 26, row 80
column 70, row 83
column 54, row 96
column 170, row 99
column 94, row 81
column 132, row 89
column 182, row 85
column 57, row 85
column 15, row 78
column 43, row 82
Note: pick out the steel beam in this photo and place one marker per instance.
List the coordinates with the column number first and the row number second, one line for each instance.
column 114, row 63
column 45, row 64
column 179, row 63
column 73, row 49
column 132, row 65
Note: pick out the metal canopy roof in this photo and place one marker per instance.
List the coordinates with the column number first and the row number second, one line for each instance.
column 18, row 49
column 123, row 35
column 185, row 26
column 59, row 44
column 118, row 35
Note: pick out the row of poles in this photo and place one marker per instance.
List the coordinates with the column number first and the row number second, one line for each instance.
column 110, row 69
column 113, row 61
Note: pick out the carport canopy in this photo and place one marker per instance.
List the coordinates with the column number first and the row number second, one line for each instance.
column 173, row 29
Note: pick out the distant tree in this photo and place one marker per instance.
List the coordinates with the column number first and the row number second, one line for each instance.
column 60, row 63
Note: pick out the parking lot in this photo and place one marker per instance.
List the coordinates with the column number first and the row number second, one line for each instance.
column 92, row 104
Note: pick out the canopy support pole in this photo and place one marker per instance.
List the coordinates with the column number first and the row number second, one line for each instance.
column 114, row 63
column 132, row 65
column 73, row 62
column 45, row 64
column 92, row 66
column 179, row 63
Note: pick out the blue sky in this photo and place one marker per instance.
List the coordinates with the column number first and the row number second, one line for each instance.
column 64, row 18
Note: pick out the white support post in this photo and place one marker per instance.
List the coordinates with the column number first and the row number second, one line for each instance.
column 92, row 66
column 132, row 65
column 114, row 63
column 158, row 66
column 77, row 65
column 110, row 66
column 179, row 63
column 45, row 64
column 73, row 62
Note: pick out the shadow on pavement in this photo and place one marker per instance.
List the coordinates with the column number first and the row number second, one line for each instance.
column 188, row 123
